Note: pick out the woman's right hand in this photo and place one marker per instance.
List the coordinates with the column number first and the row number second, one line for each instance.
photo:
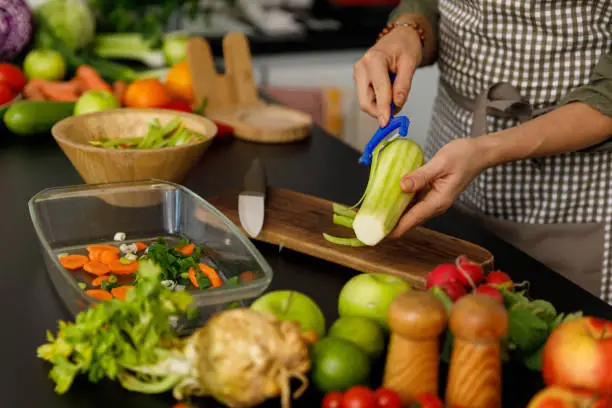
column 398, row 52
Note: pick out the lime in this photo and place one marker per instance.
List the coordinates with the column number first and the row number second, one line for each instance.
column 363, row 332
column 338, row 365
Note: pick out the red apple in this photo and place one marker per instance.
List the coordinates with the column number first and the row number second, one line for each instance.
column 578, row 354
column 559, row 397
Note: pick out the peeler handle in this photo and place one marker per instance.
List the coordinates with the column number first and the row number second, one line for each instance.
column 400, row 122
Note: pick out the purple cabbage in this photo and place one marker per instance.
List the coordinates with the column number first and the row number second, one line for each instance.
column 16, row 28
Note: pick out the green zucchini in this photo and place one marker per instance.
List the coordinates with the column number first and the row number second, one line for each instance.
column 384, row 202
column 26, row 118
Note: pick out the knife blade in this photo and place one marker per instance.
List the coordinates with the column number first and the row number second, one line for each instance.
column 251, row 200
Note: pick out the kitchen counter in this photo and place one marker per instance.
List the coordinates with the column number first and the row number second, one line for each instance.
column 321, row 165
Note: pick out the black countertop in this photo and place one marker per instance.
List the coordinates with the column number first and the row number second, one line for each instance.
column 321, row 166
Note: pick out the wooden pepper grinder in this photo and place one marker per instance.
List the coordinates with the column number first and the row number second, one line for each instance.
column 478, row 323
column 416, row 320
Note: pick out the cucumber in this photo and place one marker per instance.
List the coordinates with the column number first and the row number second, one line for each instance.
column 384, row 201
column 26, row 118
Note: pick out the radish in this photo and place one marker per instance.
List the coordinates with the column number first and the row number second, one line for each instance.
column 441, row 275
column 470, row 273
column 499, row 280
column 454, row 290
column 491, row 292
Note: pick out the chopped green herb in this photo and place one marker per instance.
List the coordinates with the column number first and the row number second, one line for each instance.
column 203, row 281
column 82, row 285
column 233, row 281
column 233, row 305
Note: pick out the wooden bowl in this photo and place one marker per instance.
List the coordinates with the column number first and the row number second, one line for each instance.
column 97, row 165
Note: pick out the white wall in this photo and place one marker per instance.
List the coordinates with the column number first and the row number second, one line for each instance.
column 335, row 69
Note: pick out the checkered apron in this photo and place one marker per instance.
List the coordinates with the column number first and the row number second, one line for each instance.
column 544, row 49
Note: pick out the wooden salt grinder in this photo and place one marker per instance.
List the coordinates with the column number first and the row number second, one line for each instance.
column 416, row 320
column 478, row 323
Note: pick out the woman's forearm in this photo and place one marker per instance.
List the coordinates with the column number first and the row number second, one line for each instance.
column 569, row 128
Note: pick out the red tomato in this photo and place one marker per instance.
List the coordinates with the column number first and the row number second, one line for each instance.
column 359, row 397
column 6, row 93
column 388, row 398
column 223, row 129
column 332, row 400
column 13, row 76
column 428, row 401
column 178, row 106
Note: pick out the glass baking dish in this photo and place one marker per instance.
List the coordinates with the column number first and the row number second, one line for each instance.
column 69, row 218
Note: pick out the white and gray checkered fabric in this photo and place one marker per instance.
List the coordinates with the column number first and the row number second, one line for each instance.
column 545, row 48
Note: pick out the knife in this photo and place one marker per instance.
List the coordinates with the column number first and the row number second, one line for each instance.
column 251, row 200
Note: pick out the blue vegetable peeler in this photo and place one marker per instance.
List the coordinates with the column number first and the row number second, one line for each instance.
column 395, row 122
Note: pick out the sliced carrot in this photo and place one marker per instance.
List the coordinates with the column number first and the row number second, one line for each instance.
column 32, row 90
column 107, row 257
column 103, row 247
column 74, row 261
column 120, row 292
column 141, row 246
column 91, row 79
column 98, row 281
column 123, row 269
column 193, row 279
column 94, row 254
column 99, row 294
column 96, row 267
column 187, row 249
column 211, row 274
column 247, row 276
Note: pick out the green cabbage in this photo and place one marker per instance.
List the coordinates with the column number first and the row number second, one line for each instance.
column 72, row 21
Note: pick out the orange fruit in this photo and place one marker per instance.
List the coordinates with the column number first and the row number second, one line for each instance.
column 178, row 82
column 146, row 93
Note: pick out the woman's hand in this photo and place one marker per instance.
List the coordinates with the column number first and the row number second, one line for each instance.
column 440, row 181
column 398, row 52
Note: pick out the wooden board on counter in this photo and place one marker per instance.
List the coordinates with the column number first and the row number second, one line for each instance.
column 297, row 221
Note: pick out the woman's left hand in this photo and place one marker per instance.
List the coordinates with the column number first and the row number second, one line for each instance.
column 440, row 181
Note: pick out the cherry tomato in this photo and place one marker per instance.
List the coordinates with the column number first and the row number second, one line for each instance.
column 13, row 76
column 388, row 398
column 428, row 401
column 6, row 93
column 359, row 397
column 332, row 400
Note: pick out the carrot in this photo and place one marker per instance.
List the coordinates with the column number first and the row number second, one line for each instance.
column 107, row 257
column 59, row 91
column 99, row 294
column 247, row 276
column 73, row 261
column 187, row 249
column 98, row 281
column 119, row 89
column 210, row 273
column 123, row 269
column 96, row 268
column 141, row 246
column 32, row 90
column 120, row 292
column 91, row 79
column 103, row 247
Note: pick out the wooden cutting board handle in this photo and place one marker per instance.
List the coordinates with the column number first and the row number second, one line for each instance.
column 416, row 320
column 478, row 323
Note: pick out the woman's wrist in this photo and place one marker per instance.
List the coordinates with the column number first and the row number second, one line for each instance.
column 425, row 33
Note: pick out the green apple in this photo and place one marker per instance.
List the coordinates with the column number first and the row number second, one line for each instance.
column 361, row 331
column 370, row 295
column 95, row 100
column 290, row 305
column 44, row 64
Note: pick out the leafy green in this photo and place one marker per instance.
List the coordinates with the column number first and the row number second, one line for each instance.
column 526, row 330
column 104, row 341
column 175, row 266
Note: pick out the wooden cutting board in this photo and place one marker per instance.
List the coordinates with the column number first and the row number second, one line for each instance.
column 297, row 222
